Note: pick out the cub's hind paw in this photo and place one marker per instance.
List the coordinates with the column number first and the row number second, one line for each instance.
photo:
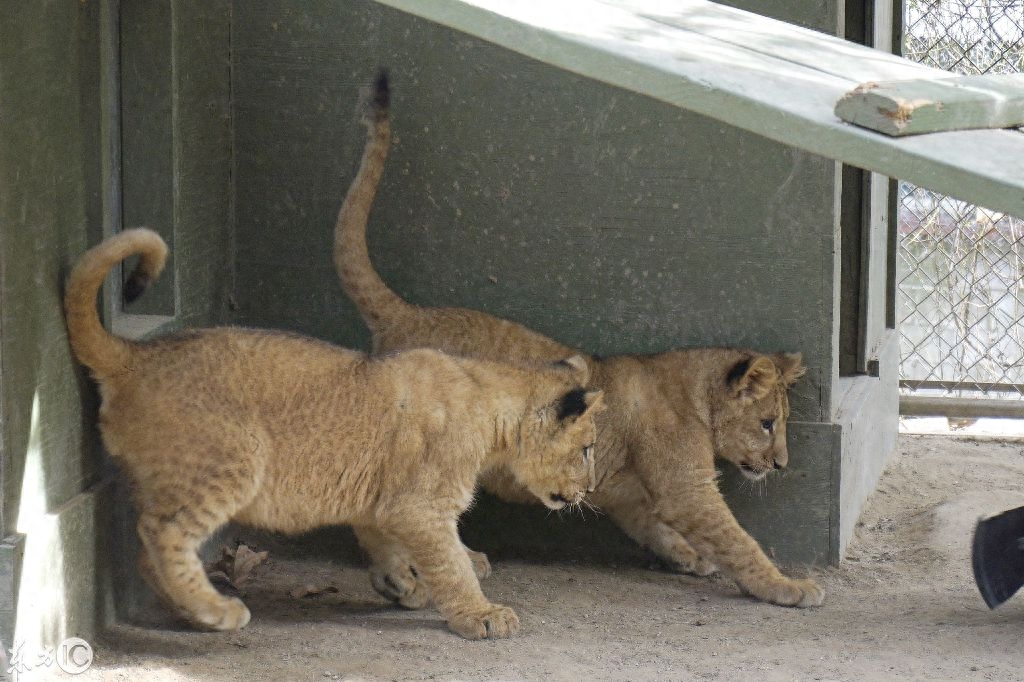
column 481, row 565
column 701, row 567
column 698, row 566
column 228, row 613
column 402, row 586
column 495, row 622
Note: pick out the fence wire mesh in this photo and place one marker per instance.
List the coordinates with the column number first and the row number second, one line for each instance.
column 960, row 268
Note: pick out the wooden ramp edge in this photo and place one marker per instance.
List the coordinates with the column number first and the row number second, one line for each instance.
column 765, row 76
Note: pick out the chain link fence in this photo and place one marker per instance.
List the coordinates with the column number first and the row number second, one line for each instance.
column 960, row 268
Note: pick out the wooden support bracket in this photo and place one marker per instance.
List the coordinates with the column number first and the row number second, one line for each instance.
column 929, row 105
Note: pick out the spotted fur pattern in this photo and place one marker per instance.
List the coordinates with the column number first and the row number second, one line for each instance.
column 287, row 433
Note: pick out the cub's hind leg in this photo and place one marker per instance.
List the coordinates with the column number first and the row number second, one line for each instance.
column 178, row 510
column 391, row 571
column 628, row 503
column 447, row 571
column 393, row 574
column 152, row 577
column 173, row 547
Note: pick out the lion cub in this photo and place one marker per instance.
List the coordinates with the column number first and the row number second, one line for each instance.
column 670, row 414
column 287, row 433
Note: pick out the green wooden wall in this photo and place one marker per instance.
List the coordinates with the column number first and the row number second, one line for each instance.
column 590, row 214
column 51, row 207
column 60, row 174
column 606, row 220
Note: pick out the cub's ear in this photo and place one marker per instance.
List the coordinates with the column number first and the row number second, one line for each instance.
column 752, row 378
column 578, row 402
column 579, row 367
column 790, row 367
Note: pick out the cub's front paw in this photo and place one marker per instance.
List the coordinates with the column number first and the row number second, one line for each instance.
column 227, row 613
column 400, row 585
column 495, row 622
column 813, row 594
column 799, row 593
column 481, row 566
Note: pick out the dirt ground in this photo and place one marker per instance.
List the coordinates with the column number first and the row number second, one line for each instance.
column 902, row 606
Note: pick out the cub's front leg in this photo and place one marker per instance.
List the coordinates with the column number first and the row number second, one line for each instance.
column 700, row 514
column 446, row 569
column 684, row 490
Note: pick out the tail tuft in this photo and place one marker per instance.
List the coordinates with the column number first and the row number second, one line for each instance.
column 95, row 347
column 137, row 283
column 376, row 99
column 381, row 91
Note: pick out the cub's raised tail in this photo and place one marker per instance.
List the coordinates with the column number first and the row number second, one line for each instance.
column 360, row 281
column 95, row 347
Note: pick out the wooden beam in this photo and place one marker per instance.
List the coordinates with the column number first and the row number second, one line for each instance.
column 929, row 105
column 771, row 78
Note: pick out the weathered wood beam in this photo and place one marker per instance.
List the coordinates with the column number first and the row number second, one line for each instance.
column 769, row 77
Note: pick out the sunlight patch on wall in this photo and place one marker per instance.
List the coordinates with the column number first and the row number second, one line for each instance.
column 42, row 605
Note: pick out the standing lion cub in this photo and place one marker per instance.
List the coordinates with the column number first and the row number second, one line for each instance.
column 287, row 433
column 670, row 415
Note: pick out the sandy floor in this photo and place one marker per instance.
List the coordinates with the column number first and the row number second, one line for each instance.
column 902, row 606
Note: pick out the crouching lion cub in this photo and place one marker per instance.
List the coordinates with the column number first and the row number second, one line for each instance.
column 288, row 433
column 670, row 415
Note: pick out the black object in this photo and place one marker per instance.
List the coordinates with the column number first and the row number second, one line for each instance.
column 998, row 556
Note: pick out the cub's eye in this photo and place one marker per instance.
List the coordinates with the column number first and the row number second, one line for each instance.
column 588, row 452
column 768, row 425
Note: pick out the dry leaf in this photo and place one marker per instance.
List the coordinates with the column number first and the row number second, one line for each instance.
column 245, row 563
column 234, row 568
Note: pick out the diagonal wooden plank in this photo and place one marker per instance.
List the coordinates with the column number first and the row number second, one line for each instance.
column 748, row 32
column 758, row 74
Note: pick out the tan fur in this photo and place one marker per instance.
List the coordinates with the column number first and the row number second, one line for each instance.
column 669, row 415
column 287, row 433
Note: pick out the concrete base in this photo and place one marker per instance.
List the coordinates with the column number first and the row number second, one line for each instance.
column 12, row 555
column 868, row 417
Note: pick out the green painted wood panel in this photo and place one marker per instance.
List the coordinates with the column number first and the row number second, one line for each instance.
column 176, row 151
column 148, row 101
column 598, row 216
column 51, row 208
column 602, row 218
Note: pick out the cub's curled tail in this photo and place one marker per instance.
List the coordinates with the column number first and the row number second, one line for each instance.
column 362, row 284
column 95, row 347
